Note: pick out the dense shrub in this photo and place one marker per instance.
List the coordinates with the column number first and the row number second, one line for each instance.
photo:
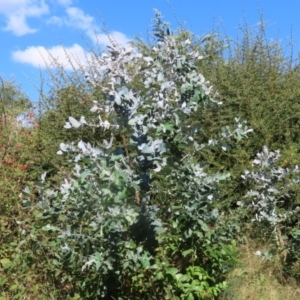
column 257, row 79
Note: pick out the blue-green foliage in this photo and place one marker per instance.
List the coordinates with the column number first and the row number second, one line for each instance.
column 270, row 189
column 265, row 194
column 139, row 221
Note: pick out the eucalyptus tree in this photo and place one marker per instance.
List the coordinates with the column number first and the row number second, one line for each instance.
column 137, row 216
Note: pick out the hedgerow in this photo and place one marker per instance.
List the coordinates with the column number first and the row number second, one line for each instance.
column 157, row 182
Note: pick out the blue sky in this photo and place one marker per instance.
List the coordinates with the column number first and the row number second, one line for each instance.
column 30, row 29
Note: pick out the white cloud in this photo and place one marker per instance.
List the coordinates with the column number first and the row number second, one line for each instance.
column 77, row 18
column 16, row 13
column 39, row 56
column 64, row 2
column 115, row 36
column 56, row 21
